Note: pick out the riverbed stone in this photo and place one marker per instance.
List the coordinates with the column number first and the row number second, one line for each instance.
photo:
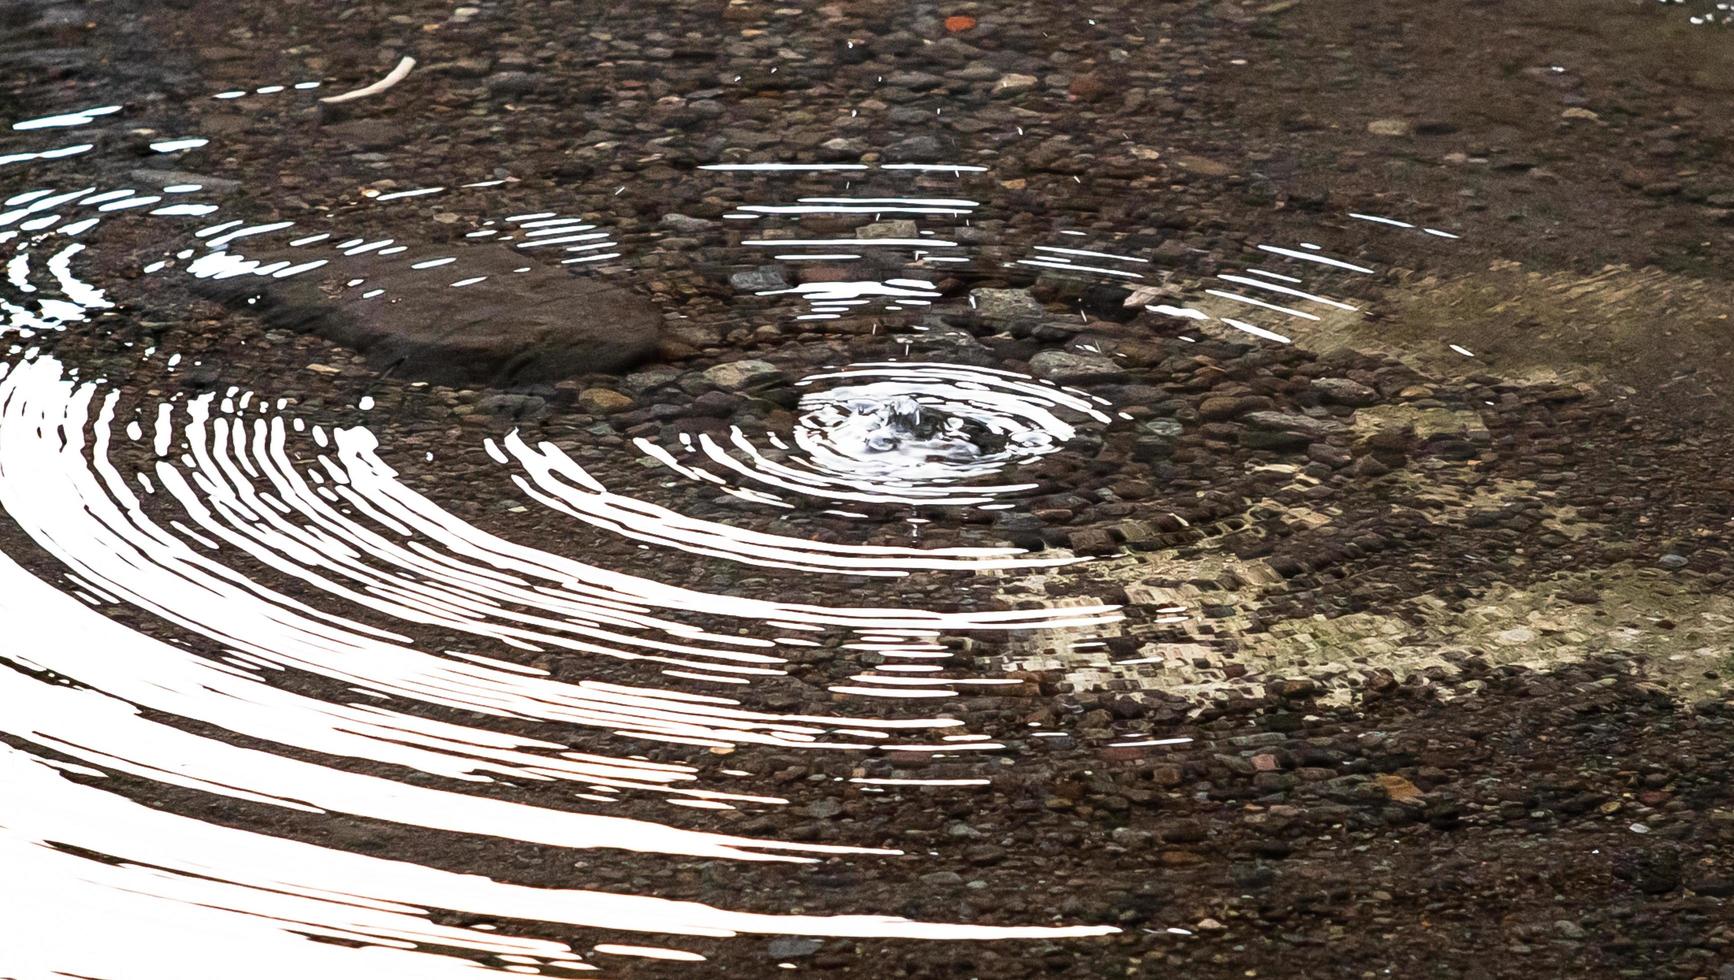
column 511, row 322
column 739, row 375
column 1068, row 367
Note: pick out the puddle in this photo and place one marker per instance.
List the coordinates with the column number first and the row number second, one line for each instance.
column 292, row 550
column 433, row 558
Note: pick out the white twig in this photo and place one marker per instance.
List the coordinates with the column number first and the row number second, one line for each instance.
column 398, row 74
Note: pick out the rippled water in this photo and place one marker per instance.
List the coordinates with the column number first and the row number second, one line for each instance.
column 313, row 592
column 290, row 547
column 184, row 508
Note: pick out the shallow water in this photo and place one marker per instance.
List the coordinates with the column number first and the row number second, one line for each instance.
column 329, row 655
column 170, row 505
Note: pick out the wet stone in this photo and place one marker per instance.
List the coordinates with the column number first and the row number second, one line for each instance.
column 1005, row 304
column 759, row 280
column 686, row 225
column 159, row 179
column 1277, row 441
column 603, row 401
column 509, row 84
column 888, row 229
column 1220, row 408
column 1292, row 423
column 504, row 327
column 740, row 375
column 842, row 148
column 716, row 404
column 1092, row 541
column 1163, row 428
column 920, row 149
column 1067, row 367
column 793, row 947
column 514, row 406
column 1342, row 391
column 366, row 134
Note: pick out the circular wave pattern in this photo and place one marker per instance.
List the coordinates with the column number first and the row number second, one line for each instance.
column 325, row 637
column 306, row 631
column 923, row 435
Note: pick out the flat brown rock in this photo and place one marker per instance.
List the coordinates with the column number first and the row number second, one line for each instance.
column 491, row 317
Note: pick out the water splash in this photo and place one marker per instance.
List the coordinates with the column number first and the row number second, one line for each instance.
column 901, row 433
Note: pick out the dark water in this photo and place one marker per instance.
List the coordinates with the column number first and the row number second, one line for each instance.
column 400, row 512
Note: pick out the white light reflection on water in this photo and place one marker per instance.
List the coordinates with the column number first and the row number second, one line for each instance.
column 555, row 479
column 182, row 874
column 303, row 568
column 903, row 433
column 186, row 898
column 81, row 117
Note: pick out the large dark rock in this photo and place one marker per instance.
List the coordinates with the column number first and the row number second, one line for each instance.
column 540, row 324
